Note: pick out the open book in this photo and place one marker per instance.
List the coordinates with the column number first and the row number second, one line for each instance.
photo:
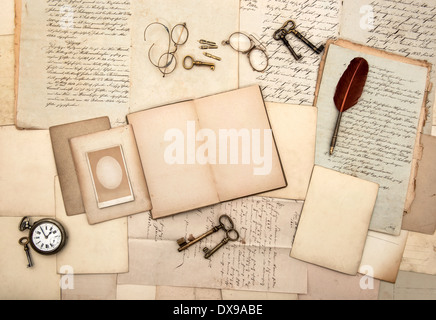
column 179, row 157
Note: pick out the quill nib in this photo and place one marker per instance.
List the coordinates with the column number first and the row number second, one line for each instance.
column 335, row 134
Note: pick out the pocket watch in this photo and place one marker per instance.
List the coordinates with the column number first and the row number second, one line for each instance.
column 46, row 236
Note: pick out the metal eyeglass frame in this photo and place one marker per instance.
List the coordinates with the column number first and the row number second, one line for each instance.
column 169, row 55
column 253, row 47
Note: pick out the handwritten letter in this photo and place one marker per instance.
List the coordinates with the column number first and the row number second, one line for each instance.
column 258, row 261
column 80, row 61
column 287, row 80
column 377, row 136
column 404, row 27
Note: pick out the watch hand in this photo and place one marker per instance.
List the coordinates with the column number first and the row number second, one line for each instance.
column 40, row 228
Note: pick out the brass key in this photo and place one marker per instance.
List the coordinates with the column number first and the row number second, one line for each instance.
column 189, row 62
column 209, row 252
column 24, row 242
column 223, row 220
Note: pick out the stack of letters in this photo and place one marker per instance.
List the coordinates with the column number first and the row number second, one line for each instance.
column 130, row 161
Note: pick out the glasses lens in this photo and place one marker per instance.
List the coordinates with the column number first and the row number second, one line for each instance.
column 179, row 34
column 240, row 42
column 258, row 60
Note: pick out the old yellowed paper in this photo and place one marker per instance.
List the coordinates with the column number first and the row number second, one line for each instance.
column 287, row 80
column 334, row 222
column 184, row 293
column 165, row 178
column 409, row 286
column 258, row 261
column 325, row 284
column 91, row 287
column 97, row 249
column 60, row 139
column 256, row 295
column 246, row 160
column 382, row 255
column 89, row 64
column 110, row 174
column 420, row 254
column 7, row 21
column 422, row 214
column 294, row 129
column 370, row 145
column 27, row 171
column 7, row 94
column 41, row 282
column 74, row 62
column 149, row 87
column 136, row 292
column 403, row 27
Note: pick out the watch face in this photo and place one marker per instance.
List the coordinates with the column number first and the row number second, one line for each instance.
column 47, row 236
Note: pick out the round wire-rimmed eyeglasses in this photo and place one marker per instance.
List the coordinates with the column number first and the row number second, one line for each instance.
column 167, row 62
column 249, row 45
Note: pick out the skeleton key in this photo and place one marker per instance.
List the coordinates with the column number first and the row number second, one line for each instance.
column 183, row 244
column 24, row 242
column 290, row 27
column 281, row 35
column 189, row 63
column 209, row 252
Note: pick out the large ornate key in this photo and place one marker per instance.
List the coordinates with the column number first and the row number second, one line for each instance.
column 281, row 35
column 290, row 27
column 231, row 235
column 225, row 223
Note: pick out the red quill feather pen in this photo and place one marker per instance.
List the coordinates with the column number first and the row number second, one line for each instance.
column 349, row 90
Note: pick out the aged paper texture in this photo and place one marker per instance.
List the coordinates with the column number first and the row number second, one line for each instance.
column 382, row 255
column 294, row 129
column 7, row 95
column 334, row 222
column 407, row 28
column 420, row 253
column 90, row 59
column 27, row 171
column 287, row 80
column 377, row 136
column 259, row 261
column 97, row 249
column 211, row 20
column 422, row 215
column 133, row 175
column 74, row 62
column 60, row 139
column 17, row 281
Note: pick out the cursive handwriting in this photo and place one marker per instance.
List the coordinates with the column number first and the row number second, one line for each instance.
column 82, row 68
column 377, row 136
column 407, row 27
column 287, row 80
column 68, row 19
column 254, row 262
